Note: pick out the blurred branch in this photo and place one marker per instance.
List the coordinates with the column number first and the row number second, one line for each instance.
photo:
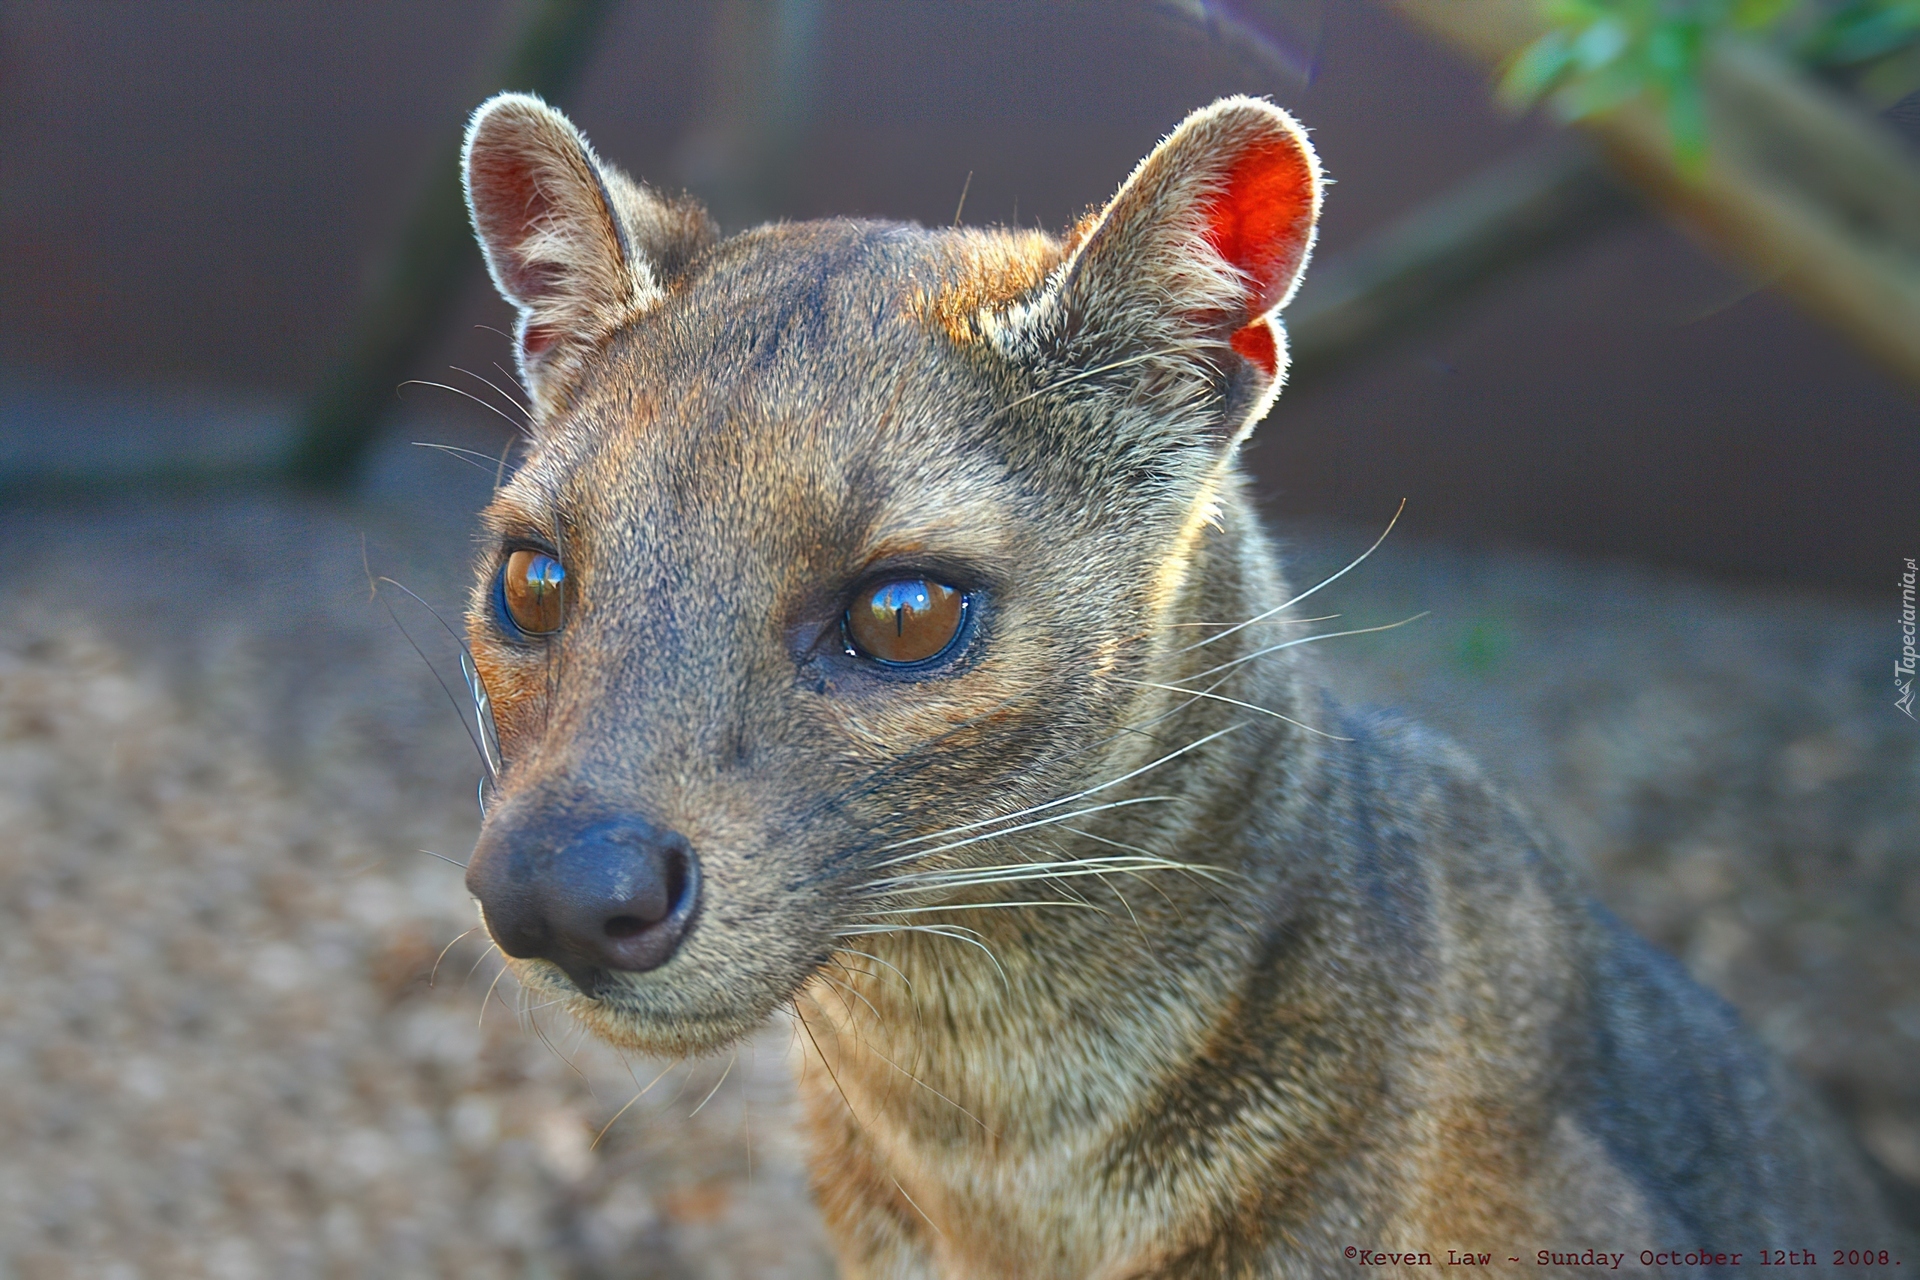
column 1447, row 250
column 434, row 254
column 1796, row 185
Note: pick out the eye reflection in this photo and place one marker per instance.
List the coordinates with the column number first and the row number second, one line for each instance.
column 905, row 621
column 533, row 589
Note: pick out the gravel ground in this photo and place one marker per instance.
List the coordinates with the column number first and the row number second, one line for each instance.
column 224, row 1050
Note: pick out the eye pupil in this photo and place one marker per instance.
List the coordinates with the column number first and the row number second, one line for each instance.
column 925, row 618
column 533, row 586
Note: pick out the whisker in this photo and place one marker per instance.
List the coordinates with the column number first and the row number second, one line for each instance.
column 501, row 370
column 978, row 906
column 1054, row 804
column 840, row 992
column 923, row 755
column 852, row 990
column 482, row 1020
column 1220, row 697
column 1143, row 879
column 716, row 1084
column 630, row 1101
column 867, row 1046
column 538, row 1030
column 913, row 999
column 490, row 408
column 483, row 718
column 1328, row 581
column 468, row 456
column 957, row 932
column 508, row 396
column 444, row 858
column 491, row 948
column 445, row 688
column 1326, row 635
column 962, row 877
column 435, row 971
column 877, row 960
column 937, row 850
column 916, row 1205
column 1256, row 621
column 467, row 668
column 831, row 1074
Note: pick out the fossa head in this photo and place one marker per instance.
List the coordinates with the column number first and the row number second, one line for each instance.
column 833, row 536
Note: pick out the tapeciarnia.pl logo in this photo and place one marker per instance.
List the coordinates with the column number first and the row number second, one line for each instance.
column 1903, row 666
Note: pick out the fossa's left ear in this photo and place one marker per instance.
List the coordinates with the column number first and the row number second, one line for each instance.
column 1177, row 281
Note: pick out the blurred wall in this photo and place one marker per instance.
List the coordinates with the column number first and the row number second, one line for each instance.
column 197, row 193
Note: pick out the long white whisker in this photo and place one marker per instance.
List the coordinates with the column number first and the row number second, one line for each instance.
column 490, row 408
column 473, row 735
column 877, row 960
column 937, row 850
column 852, row 990
column 1054, row 804
column 483, row 716
column 1235, row 702
column 1262, row 619
column 435, row 972
column 504, row 395
column 476, row 688
column 962, row 877
column 1310, row 590
column 978, row 906
column 957, row 932
column 469, row 456
column 1327, row 635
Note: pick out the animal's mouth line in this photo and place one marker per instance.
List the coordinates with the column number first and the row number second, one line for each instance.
column 620, row 1001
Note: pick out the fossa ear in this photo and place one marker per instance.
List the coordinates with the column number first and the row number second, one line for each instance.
column 576, row 245
column 1174, row 287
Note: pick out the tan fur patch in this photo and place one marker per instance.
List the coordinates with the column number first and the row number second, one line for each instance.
column 994, row 269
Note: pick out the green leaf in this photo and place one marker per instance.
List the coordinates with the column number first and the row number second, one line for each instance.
column 1601, row 44
column 1687, row 123
column 1538, row 68
column 1756, row 15
column 1673, row 49
column 1599, row 54
column 1602, row 91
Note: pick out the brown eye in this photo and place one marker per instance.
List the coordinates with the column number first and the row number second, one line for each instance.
column 533, row 592
column 905, row 621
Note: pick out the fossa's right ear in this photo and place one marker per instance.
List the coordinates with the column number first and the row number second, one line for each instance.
column 1171, row 293
column 576, row 245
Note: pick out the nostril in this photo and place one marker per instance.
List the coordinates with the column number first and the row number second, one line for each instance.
column 678, row 877
column 659, row 902
column 615, row 895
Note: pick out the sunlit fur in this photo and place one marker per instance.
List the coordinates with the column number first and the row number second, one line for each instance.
column 1115, row 949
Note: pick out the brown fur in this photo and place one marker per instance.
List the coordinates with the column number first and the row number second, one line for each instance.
column 996, row 270
column 1332, row 993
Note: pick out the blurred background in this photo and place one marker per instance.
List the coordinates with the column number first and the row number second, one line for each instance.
column 1647, row 384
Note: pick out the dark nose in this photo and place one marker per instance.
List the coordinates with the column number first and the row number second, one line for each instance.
column 613, row 894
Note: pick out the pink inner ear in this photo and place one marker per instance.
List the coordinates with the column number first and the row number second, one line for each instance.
column 1261, row 223
column 1255, row 342
column 510, row 204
